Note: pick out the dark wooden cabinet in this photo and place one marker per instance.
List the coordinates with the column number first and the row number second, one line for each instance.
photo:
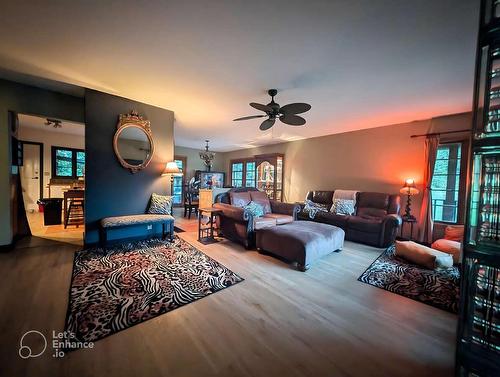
column 269, row 173
column 478, row 336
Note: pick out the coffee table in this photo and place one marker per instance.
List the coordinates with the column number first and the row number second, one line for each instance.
column 300, row 241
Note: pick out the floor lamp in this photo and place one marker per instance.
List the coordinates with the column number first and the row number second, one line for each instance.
column 171, row 169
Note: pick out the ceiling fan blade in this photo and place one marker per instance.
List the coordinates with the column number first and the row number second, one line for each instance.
column 261, row 107
column 250, row 117
column 295, row 108
column 293, row 120
column 267, row 124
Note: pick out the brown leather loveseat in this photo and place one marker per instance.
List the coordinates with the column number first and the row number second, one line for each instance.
column 240, row 225
column 375, row 222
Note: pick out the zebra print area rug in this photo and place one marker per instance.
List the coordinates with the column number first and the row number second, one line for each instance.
column 439, row 288
column 113, row 289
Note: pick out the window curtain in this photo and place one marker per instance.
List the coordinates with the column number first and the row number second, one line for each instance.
column 425, row 221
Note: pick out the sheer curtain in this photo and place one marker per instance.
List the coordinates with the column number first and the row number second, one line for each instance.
column 425, row 221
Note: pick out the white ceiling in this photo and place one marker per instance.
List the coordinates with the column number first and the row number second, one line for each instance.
column 36, row 122
column 360, row 64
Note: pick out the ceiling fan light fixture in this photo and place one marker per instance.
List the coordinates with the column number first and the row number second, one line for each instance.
column 286, row 114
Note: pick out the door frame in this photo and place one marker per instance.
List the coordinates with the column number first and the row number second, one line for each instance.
column 41, row 163
column 184, row 168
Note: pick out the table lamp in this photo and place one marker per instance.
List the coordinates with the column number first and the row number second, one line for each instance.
column 409, row 189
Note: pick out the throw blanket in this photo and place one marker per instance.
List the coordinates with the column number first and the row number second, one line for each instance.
column 345, row 194
column 312, row 208
column 344, row 202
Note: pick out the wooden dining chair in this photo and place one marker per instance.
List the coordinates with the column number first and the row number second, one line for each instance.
column 191, row 203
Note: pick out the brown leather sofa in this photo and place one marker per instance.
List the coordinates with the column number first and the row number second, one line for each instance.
column 375, row 222
column 239, row 225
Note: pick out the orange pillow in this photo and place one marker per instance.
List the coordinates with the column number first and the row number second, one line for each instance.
column 454, row 233
column 454, row 248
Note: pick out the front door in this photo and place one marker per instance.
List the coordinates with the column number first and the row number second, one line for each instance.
column 30, row 176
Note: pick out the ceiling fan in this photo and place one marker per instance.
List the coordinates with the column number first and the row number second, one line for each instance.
column 287, row 114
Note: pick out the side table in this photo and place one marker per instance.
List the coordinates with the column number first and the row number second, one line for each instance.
column 408, row 220
column 206, row 232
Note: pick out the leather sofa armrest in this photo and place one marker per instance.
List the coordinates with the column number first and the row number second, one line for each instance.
column 391, row 224
column 233, row 212
column 392, row 219
column 291, row 209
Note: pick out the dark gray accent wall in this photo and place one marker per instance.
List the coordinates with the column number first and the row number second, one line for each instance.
column 29, row 100
column 112, row 190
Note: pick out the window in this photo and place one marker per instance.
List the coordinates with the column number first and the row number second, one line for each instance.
column 237, row 174
column 243, row 173
column 68, row 162
column 446, row 183
column 250, row 174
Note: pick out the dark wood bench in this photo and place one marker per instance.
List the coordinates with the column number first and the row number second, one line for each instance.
column 117, row 222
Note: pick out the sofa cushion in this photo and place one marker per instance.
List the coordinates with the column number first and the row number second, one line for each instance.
column 280, row 219
column 322, row 197
column 423, row 255
column 332, row 219
column 373, row 200
column 261, row 198
column 263, row 222
column 240, row 199
column 371, row 212
column 372, row 204
column 365, row 223
column 454, row 248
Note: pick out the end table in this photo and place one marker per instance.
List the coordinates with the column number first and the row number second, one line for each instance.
column 408, row 220
column 206, row 232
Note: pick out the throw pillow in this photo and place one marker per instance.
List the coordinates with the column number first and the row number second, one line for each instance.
column 454, row 233
column 423, row 255
column 342, row 207
column 312, row 208
column 255, row 209
column 261, row 198
column 160, row 205
column 240, row 199
column 454, row 248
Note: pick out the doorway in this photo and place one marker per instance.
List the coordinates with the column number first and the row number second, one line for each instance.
column 178, row 185
column 52, row 175
column 31, row 182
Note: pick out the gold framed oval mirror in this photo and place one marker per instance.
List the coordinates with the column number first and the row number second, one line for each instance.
column 133, row 142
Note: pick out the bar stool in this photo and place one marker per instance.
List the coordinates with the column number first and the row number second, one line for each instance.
column 76, row 213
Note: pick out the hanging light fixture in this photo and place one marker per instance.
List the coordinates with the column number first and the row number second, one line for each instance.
column 207, row 157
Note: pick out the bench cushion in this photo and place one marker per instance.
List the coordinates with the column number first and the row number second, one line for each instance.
column 115, row 221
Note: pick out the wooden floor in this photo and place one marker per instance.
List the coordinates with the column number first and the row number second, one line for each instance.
column 72, row 234
column 278, row 322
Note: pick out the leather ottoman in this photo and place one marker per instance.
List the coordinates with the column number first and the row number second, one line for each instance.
column 300, row 241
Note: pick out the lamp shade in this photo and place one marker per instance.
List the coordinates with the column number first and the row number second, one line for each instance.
column 409, row 187
column 171, row 168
